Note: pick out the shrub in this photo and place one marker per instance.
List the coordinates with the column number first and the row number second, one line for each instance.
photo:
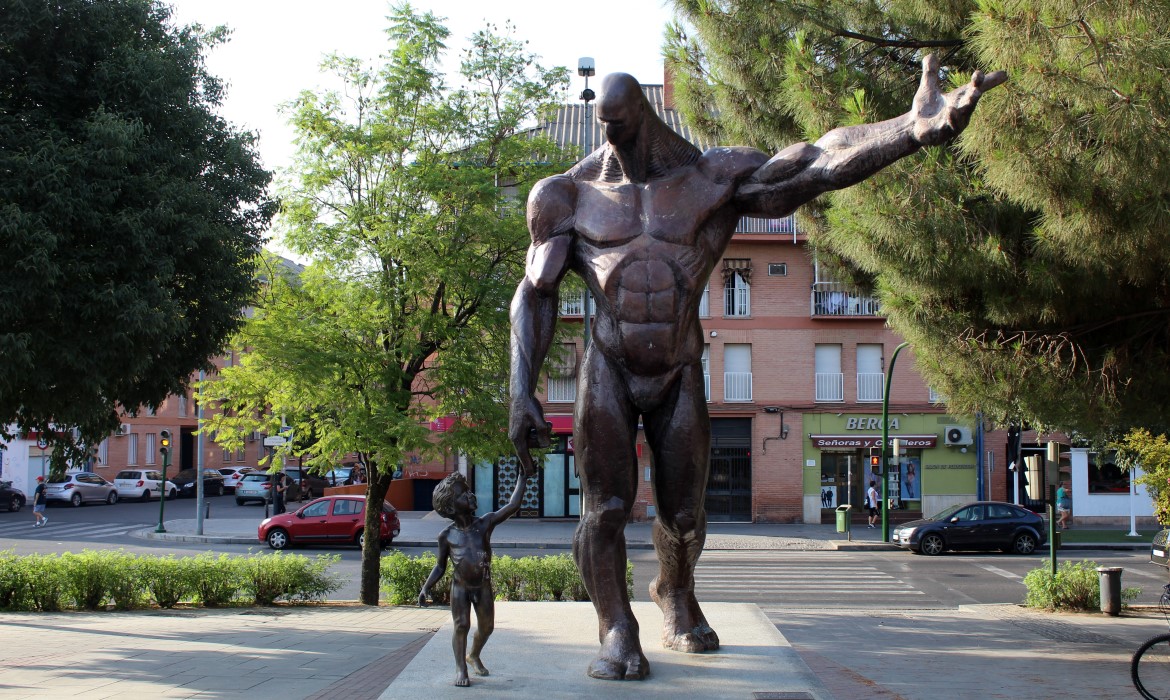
column 128, row 590
column 1076, row 586
column 44, row 581
column 402, row 578
column 168, row 579
column 13, row 593
column 218, row 580
column 293, row 577
column 529, row 578
column 89, row 576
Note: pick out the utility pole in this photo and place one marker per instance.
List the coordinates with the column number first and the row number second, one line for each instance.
column 885, row 446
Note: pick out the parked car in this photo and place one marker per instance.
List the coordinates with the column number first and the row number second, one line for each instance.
column 143, row 483
column 212, row 483
column 311, row 485
column 327, row 520
column 981, row 525
column 1159, row 548
column 11, row 497
column 232, row 476
column 80, row 487
column 257, row 486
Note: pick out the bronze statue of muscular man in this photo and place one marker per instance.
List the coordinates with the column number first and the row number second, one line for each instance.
column 643, row 220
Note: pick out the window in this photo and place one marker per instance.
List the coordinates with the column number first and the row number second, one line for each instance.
column 933, row 396
column 317, row 510
column 705, row 301
column 103, row 454
column 870, row 379
column 239, row 454
column 345, row 506
column 707, row 371
column 227, row 455
column 777, row 269
column 562, row 375
column 1105, row 476
column 150, row 447
column 737, row 372
column 830, row 384
column 183, row 405
column 737, row 275
column 150, row 411
column 132, row 448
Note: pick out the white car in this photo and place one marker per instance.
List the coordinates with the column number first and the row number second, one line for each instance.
column 143, row 484
column 232, row 476
column 80, row 487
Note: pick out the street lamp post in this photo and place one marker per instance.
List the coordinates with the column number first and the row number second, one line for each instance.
column 585, row 69
column 886, row 445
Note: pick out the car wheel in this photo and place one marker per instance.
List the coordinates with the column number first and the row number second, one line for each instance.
column 932, row 544
column 112, row 498
column 76, row 500
column 15, row 504
column 145, row 495
column 360, row 540
column 219, row 490
column 277, row 538
column 1024, row 543
column 240, row 501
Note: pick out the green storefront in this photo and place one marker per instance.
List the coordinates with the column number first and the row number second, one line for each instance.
column 936, row 467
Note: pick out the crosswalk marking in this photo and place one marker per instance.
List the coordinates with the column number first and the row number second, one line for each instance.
column 74, row 530
column 809, row 577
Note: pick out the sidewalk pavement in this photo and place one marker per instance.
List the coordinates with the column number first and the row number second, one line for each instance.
column 353, row 651
column 421, row 529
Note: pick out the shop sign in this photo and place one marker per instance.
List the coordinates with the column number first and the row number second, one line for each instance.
column 868, row 423
column 866, row 441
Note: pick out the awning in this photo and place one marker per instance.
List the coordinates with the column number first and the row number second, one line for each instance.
column 864, row 441
column 561, row 424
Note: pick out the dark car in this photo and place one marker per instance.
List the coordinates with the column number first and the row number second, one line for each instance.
column 212, row 483
column 311, row 485
column 11, row 497
column 328, row 520
column 1160, row 549
column 981, row 525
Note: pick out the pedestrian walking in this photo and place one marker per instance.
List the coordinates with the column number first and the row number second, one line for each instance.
column 1063, row 506
column 278, row 493
column 39, row 503
column 873, row 499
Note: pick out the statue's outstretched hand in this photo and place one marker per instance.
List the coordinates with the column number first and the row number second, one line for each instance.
column 527, row 430
column 937, row 118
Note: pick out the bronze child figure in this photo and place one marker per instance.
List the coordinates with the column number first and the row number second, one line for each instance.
column 467, row 543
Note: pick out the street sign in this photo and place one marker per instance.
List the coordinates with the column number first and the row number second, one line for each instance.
column 274, row 440
column 42, row 443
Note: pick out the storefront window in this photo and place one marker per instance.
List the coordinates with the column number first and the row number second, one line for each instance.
column 1105, row 476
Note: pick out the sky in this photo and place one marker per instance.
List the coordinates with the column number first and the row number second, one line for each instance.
column 277, row 45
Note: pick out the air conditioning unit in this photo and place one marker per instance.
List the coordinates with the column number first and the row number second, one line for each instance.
column 956, row 435
column 122, row 430
column 254, row 436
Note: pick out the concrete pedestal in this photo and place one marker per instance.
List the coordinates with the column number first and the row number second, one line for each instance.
column 542, row 650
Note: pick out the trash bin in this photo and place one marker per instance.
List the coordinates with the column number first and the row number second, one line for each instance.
column 1110, row 589
column 843, row 517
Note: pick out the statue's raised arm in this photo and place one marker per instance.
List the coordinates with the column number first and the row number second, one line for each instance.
column 848, row 155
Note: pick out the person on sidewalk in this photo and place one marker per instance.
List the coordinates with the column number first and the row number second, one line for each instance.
column 873, row 499
column 467, row 543
column 278, row 493
column 1063, row 506
column 39, row 503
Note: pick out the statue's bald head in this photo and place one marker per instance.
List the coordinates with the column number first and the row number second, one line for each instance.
column 621, row 107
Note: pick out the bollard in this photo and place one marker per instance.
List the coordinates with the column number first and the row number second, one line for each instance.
column 1110, row 577
column 207, row 510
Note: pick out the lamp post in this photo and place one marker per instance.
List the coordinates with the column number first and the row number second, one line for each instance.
column 199, row 465
column 885, row 445
column 164, row 449
column 585, row 69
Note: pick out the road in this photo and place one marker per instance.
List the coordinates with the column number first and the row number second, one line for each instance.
column 776, row 580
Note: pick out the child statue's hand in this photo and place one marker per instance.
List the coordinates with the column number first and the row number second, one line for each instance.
column 423, row 598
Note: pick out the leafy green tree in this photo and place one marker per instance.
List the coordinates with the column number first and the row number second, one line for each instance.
column 408, row 196
column 130, row 213
column 1026, row 261
column 1151, row 452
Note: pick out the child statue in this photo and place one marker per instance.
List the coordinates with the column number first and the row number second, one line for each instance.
column 467, row 543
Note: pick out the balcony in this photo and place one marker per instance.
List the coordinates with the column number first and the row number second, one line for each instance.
column 562, row 389
column 737, row 386
column 836, row 299
column 752, row 225
column 830, row 386
column 573, row 304
column 870, row 386
column 737, row 302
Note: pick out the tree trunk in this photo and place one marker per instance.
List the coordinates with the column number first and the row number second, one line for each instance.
column 378, row 483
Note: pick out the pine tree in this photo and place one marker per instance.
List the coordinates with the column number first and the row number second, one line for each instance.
column 1027, row 260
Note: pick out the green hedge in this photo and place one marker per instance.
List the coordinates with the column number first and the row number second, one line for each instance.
column 553, row 577
column 94, row 580
column 1076, row 586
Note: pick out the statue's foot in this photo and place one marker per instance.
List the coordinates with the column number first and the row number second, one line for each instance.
column 477, row 666
column 462, row 680
column 684, row 628
column 620, row 659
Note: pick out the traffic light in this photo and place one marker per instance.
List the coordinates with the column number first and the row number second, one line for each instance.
column 875, row 461
column 164, row 442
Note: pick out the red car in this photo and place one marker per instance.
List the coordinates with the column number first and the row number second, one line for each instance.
column 327, row 520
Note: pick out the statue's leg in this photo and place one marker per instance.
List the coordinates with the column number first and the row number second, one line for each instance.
column 485, row 624
column 679, row 436
column 461, row 616
column 604, row 433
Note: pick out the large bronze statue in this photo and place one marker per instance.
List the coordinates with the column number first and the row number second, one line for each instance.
column 643, row 220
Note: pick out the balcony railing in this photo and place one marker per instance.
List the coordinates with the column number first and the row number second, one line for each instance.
column 737, row 301
column 737, row 386
column 562, row 389
column 573, row 304
column 836, row 299
column 753, row 225
column 830, row 386
column 870, row 386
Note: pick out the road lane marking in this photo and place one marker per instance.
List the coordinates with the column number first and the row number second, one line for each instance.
column 1000, row 572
